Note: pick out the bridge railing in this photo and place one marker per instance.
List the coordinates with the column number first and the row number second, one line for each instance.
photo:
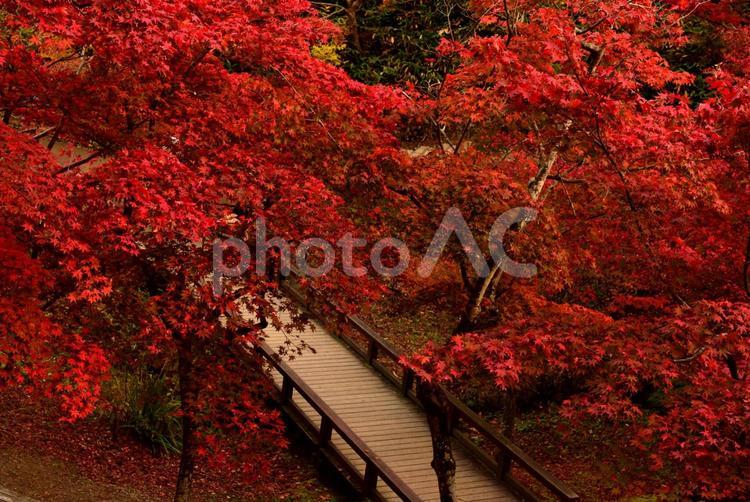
column 498, row 453
column 322, row 432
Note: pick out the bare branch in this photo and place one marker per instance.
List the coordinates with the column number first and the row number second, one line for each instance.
column 310, row 108
column 569, row 181
column 79, row 163
column 581, row 31
column 692, row 11
column 691, row 357
column 44, row 133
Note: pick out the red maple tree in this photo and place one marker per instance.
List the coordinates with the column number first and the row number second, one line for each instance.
column 134, row 134
column 642, row 193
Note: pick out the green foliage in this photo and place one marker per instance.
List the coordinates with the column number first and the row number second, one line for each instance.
column 397, row 39
column 702, row 52
column 146, row 404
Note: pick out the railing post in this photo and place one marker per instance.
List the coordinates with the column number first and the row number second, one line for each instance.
column 371, row 478
column 326, row 428
column 504, row 462
column 451, row 418
column 407, row 381
column 286, row 389
column 372, row 351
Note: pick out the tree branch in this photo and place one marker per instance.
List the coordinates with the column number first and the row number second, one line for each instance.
column 569, row 181
column 746, row 269
column 581, row 31
column 596, row 54
column 691, row 357
column 78, row 163
column 406, row 193
column 310, row 108
column 44, row 133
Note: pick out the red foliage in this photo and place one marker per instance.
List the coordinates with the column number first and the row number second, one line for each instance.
column 134, row 134
column 644, row 201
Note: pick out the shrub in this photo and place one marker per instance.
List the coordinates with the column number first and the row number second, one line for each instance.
column 145, row 403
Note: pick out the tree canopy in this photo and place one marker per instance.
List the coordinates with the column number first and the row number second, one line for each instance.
column 135, row 134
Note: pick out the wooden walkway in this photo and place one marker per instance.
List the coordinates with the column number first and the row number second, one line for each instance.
column 353, row 398
column 390, row 424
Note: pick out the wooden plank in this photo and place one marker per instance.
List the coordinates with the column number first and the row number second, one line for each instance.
column 344, row 394
column 331, row 381
column 327, row 362
column 399, row 423
column 335, row 373
column 418, row 444
column 408, row 431
column 324, row 351
column 353, row 408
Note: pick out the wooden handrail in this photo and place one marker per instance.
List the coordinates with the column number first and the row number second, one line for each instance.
column 374, row 467
column 508, row 447
column 377, row 345
column 382, row 344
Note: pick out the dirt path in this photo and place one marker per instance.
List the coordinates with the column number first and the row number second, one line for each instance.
column 9, row 496
column 25, row 477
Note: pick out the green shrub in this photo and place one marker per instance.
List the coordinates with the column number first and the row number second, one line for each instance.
column 145, row 403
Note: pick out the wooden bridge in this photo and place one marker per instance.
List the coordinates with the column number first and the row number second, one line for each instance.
column 355, row 402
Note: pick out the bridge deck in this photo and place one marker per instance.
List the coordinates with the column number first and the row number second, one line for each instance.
column 390, row 424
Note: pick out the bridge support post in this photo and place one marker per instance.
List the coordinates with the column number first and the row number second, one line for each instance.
column 371, row 478
column 372, row 352
column 407, row 381
column 504, row 464
column 326, row 428
column 287, row 388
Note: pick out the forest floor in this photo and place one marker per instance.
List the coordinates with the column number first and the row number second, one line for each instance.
column 48, row 460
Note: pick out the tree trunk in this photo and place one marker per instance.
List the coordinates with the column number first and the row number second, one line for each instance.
column 487, row 285
column 509, row 413
column 188, row 393
column 438, row 417
column 352, row 6
column 732, row 365
column 474, row 307
column 746, row 268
